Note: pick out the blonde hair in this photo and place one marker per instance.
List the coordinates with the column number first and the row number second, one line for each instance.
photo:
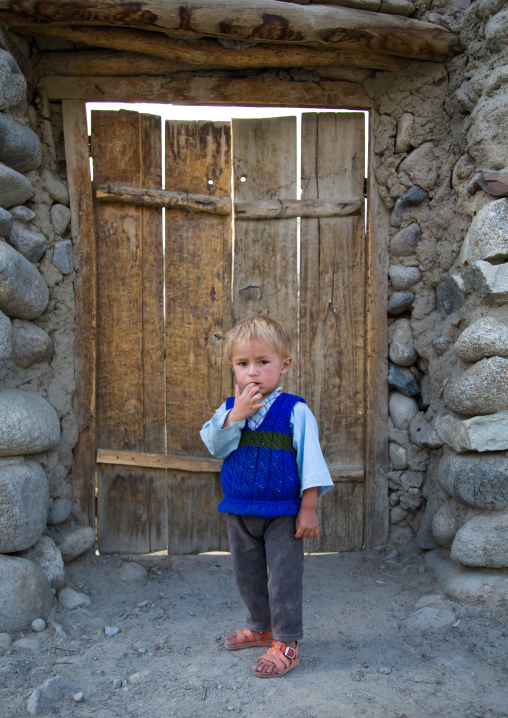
column 258, row 329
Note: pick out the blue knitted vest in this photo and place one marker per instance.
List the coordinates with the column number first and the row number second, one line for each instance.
column 260, row 478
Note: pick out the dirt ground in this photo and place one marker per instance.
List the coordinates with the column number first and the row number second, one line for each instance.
column 357, row 657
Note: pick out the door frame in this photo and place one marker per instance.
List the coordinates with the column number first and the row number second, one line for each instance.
column 74, row 93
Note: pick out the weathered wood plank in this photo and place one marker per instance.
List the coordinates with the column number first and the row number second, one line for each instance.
column 259, row 209
column 153, row 351
column 83, row 239
column 198, row 464
column 160, row 461
column 108, row 63
column 116, row 153
column 89, row 63
column 210, row 91
column 376, row 388
column 194, row 524
column 264, row 21
column 123, row 516
column 393, row 7
column 130, row 349
column 162, row 198
column 209, row 54
column 289, row 208
column 198, row 274
column 332, row 290
column 198, row 312
column 340, row 516
column 265, row 273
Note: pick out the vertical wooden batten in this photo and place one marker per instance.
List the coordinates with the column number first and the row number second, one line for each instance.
column 83, row 238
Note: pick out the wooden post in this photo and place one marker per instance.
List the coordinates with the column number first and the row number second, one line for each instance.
column 83, row 238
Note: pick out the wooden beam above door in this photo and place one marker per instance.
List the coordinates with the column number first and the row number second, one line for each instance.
column 265, row 21
column 209, row 54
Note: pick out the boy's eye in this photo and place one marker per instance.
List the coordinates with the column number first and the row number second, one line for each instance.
column 263, row 361
column 242, row 363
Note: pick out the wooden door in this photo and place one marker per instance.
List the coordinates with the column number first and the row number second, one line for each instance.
column 163, row 309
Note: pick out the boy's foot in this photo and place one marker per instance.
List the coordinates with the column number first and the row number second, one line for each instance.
column 245, row 638
column 278, row 660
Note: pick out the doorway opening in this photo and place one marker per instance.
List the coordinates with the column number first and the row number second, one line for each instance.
column 163, row 307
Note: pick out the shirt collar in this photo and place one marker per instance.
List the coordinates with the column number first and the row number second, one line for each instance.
column 274, row 395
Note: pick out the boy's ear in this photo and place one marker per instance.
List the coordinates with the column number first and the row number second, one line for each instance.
column 286, row 363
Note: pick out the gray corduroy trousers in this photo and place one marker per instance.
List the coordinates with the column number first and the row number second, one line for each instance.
column 268, row 570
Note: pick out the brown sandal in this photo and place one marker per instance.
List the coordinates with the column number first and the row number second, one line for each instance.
column 283, row 657
column 245, row 638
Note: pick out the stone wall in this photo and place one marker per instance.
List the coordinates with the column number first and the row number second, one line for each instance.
column 438, row 128
column 37, row 422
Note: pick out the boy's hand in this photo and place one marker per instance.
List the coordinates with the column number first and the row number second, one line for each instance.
column 306, row 523
column 306, row 520
column 246, row 403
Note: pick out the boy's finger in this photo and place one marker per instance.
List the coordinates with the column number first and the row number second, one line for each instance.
column 237, row 391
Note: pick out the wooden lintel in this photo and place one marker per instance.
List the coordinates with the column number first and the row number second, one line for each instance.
column 210, row 91
column 210, row 54
column 263, row 21
column 259, row 209
column 158, row 461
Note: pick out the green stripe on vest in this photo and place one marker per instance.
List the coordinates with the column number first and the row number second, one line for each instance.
column 267, row 440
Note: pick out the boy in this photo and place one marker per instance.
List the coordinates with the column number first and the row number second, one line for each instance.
column 272, row 474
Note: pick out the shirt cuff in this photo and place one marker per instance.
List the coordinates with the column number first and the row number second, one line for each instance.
column 323, row 488
column 218, row 422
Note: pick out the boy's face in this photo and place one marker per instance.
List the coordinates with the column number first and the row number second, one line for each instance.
column 258, row 364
